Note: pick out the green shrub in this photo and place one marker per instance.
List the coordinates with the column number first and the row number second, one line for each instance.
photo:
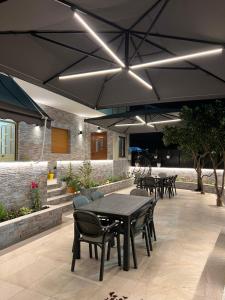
column 25, row 211
column 3, row 213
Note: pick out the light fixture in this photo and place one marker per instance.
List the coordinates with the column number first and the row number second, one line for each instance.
column 178, row 58
column 99, row 129
column 89, row 74
column 130, row 124
column 80, row 132
column 155, row 156
column 147, row 85
column 164, row 122
column 168, row 156
column 98, row 39
column 140, row 119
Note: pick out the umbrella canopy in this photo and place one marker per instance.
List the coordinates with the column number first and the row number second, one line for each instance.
column 134, row 149
column 15, row 104
column 42, row 40
column 138, row 121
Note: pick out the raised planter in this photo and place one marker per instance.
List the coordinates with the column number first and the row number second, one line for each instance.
column 191, row 186
column 18, row 229
column 115, row 186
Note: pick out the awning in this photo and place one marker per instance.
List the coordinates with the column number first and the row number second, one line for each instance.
column 156, row 117
column 16, row 105
column 41, row 40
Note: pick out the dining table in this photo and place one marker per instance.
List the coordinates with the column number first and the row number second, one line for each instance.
column 119, row 207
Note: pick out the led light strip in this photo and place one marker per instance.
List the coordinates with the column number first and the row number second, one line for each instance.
column 89, row 74
column 140, row 119
column 163, row 122
column 98, row 39
column 178, row 58
column 147, row 85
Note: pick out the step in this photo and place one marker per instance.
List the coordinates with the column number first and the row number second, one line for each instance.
column 51, row 186
column 56, row 191
column 55, row 200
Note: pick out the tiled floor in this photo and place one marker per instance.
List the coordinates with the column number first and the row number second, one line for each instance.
column 187, row 227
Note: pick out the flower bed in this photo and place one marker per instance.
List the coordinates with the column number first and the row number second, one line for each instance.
column 208, row 188
column 18, row 229
column 115, row 186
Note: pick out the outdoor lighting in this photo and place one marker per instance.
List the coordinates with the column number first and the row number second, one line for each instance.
column 98, row 39
column 89, row 74
column 178, row 58
column 130, row 124
column 155, row 156
column 80, row 132
column 99, row 129
column 168, row 156
column 140, row 119
column 135, row 76
column 150, row 125
column 164, row 122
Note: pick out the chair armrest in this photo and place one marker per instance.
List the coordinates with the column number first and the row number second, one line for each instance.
column 111, row 226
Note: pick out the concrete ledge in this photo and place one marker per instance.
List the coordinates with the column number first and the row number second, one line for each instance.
column 115, row 186
column 18, row 229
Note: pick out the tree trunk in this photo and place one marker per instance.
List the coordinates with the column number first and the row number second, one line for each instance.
column 199, row 177
column 219, row 201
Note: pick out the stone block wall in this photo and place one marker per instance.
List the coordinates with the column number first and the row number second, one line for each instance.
column 15, row 182
column 101, row 168
column 30, row 138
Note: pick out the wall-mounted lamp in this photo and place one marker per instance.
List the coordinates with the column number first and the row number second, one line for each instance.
column 168, row 156
column 99, row 129
column 80, row 132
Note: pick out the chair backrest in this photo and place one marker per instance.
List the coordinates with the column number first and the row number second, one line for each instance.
column 88, row 223
column 162, row 174
column 139, row 192
column 141, row 218
column 149, row 181
column 79, row 201
column 96, row 195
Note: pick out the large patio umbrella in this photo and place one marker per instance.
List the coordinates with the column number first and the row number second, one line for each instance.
column 138, row 121
column 43, row 40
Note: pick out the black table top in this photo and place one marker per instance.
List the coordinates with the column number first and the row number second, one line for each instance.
column 117, row 204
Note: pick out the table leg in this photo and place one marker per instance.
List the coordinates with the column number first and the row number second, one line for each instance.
column 77, row 243
column 126, row 245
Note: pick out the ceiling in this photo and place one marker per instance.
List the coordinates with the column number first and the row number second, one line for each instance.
column 41, row 40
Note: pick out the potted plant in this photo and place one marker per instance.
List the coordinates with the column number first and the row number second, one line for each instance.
column 86, row 183
column 73, row 185
column 69, row 175
column 35, row 196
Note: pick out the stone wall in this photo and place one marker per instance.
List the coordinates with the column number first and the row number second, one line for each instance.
column 30, row 138
column 101, row 168
column 15, row 182
column 18, row 229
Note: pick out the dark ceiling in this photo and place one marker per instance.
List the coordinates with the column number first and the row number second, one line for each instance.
column 41, row 40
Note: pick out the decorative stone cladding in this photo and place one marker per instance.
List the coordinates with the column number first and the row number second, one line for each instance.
column 115, row 186
column 18, row 229
column 30, row 138
column 15, row 182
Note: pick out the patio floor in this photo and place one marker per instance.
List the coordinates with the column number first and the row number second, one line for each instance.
column 187, row 225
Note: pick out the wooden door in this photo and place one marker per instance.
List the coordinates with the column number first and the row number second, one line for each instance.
column 98, row 145
column 60, row 140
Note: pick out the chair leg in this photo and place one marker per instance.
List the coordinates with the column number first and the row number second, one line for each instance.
column 109, row 250
column 102, row 263
column 90, row 250
column 153, row 228
column 96, row 252
column 149, row 237
column 118, row 249
column 133, row 249
column 146, row 241
column 73, row 262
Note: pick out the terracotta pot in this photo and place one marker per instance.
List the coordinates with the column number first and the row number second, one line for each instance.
column 70, row 190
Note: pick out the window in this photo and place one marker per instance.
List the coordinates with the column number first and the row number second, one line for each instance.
column 98, row 145
column 7, row 140
column 122, row 146
column 60, row 140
